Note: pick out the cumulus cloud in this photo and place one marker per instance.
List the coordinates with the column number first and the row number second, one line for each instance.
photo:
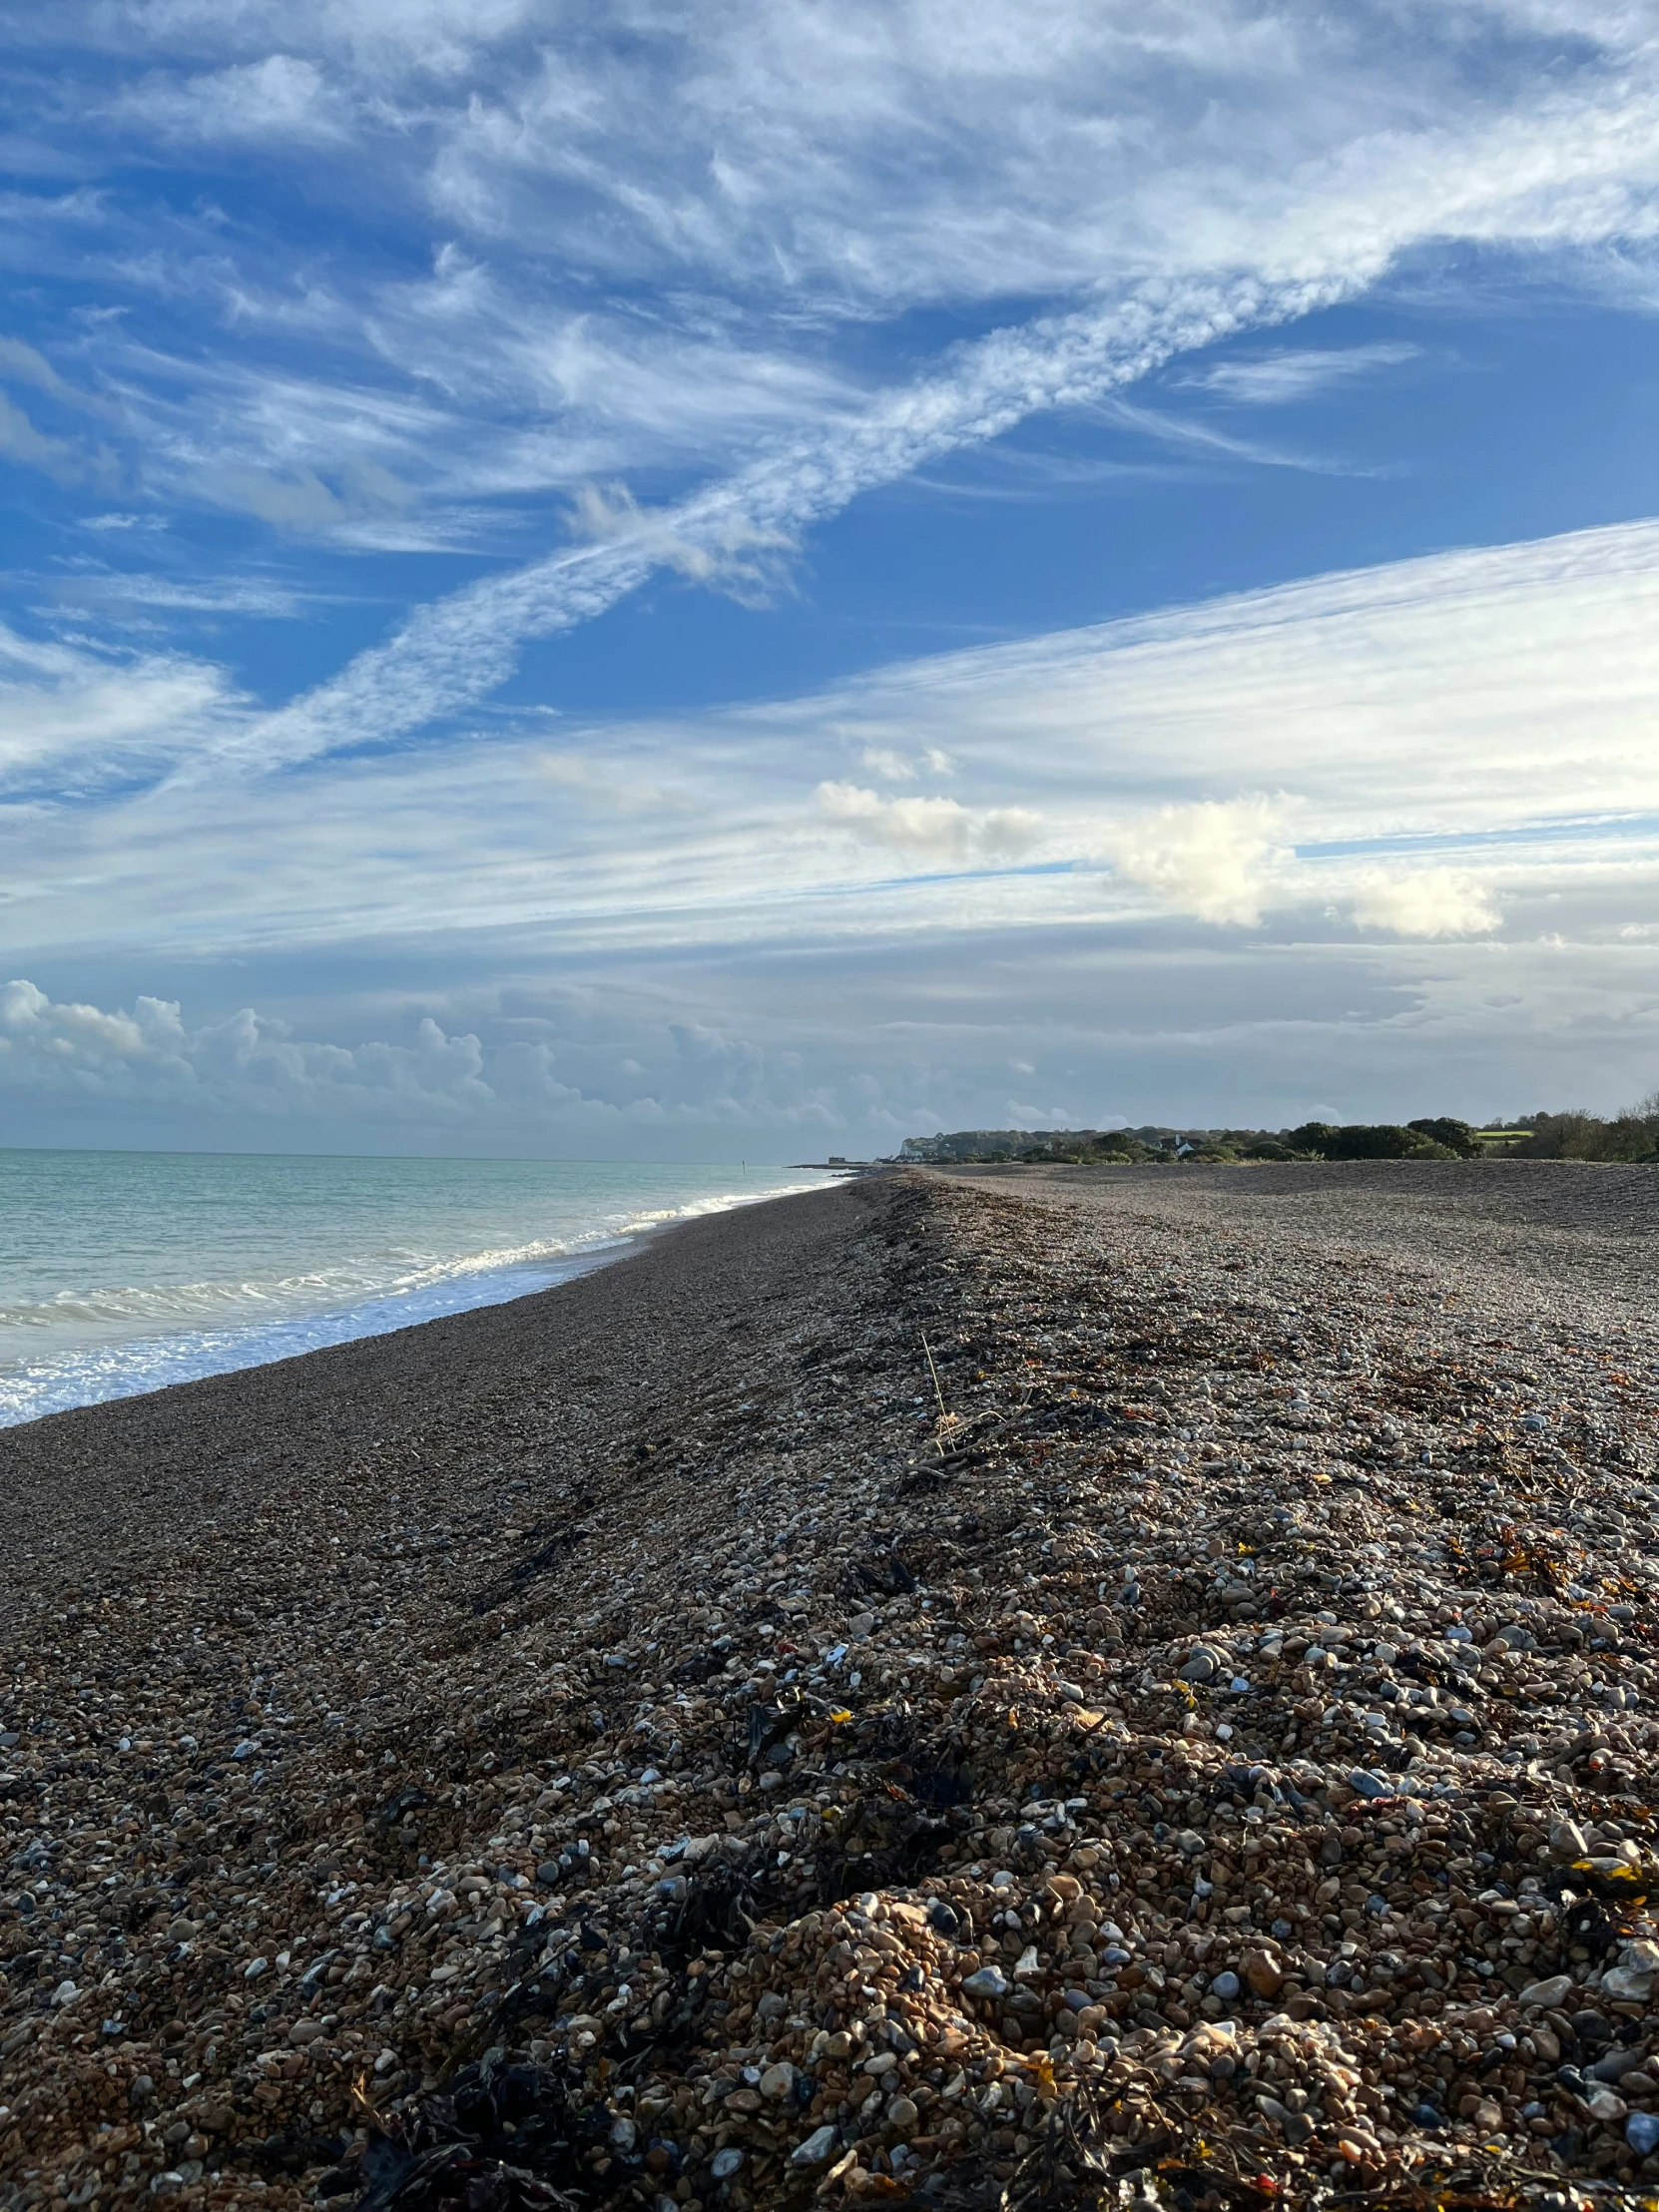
column 251, row 1071
column 939, row 831
column 1215, row 859
column 246, row 1064
column 1424, row 902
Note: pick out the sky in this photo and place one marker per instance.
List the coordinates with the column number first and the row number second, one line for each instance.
column 733, row 580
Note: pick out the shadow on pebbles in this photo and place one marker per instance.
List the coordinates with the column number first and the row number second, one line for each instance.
column 938, row 1695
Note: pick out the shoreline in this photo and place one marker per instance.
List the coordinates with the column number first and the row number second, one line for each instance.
column 644, row 1683
column 168, row 1356
column 227, row 1436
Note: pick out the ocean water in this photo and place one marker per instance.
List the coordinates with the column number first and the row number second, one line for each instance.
column 120, row 1271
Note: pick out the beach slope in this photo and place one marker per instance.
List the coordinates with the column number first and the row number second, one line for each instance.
column 955, row 1685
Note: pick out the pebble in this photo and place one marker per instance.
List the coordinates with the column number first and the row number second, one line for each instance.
column 816, row 2147
column 866, row 1796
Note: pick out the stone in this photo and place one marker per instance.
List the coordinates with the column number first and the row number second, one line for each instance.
column 817, row 2149
column 1641, row 2132
column 986, row 1981
column 1263, row 1973
column 1200, row 1665
column 1369, row 1785
column 1635, row 1973
column 1549, row 1994
column 1103, row 1865
column 1614, row 2064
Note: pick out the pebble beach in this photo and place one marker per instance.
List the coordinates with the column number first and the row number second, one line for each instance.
column 1030, row 1688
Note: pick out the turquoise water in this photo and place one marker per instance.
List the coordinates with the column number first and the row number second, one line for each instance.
column 120, row 1271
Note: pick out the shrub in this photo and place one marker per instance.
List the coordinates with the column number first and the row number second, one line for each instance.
column 1360, row 1140
column 1585, row 1136
column 1457, row 1136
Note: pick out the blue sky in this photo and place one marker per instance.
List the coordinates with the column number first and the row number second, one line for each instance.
column 685, row 581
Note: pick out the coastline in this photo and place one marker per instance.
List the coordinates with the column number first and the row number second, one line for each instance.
column 642, row 1682
column 290, row 1264
column 198, row 1456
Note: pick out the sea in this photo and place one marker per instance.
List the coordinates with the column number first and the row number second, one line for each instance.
column 122, row 1272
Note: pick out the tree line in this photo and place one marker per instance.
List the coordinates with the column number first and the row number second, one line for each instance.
column 1575, row 1134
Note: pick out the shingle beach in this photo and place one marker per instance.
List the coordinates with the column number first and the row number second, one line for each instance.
column 1045, row 1688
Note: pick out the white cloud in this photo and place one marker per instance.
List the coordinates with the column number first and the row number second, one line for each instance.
column 1185, row 430
column 1415, row 717
column 621, row 790
column 66, row 461
column 891, row 767
column 114, row 591
column 899, row 767
column 941, row 831
column 740, row 558
column 676, row 247
column 68, row 716
column 456, row 651
column 1424, row 902
column 1213, row 859
column 26, row 364
column 1277, row 379
column 282, row 97
column 245, row 1063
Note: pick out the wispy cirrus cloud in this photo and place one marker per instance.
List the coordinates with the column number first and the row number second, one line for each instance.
column 67, row 461
column 669, row 249
column 489, row 312
column 282, row 97
column 1280, row 377
column 1384, row 744
column 74, row 719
